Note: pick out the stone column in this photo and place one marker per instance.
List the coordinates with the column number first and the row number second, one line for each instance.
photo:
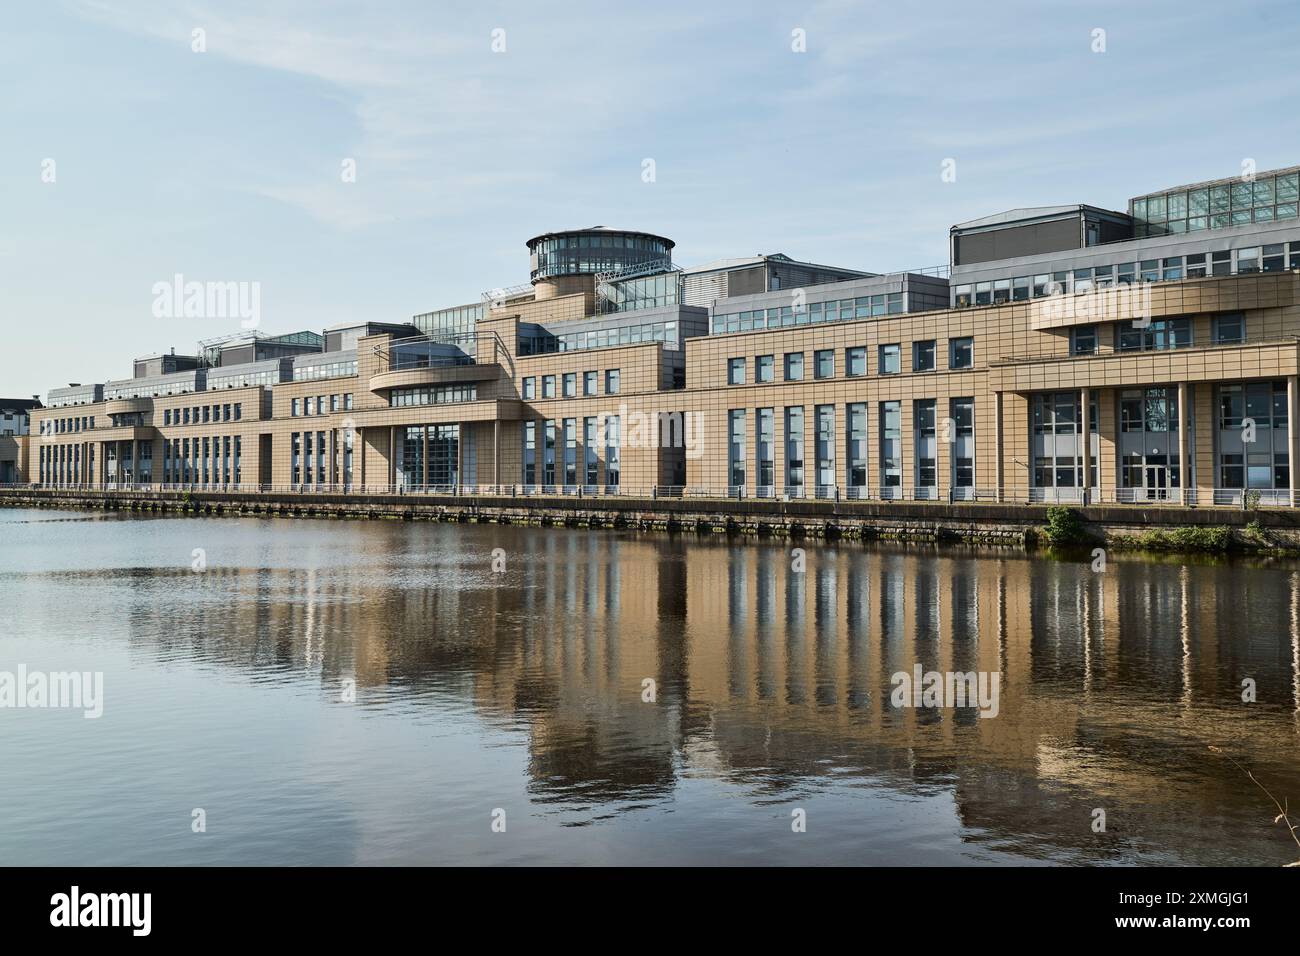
column 1290, row 434
column 392, row 455
column 1182, row 443
column 997, row 444
column 358, row 457
column 1085, row 428
column 460, row 456
column 496, row 452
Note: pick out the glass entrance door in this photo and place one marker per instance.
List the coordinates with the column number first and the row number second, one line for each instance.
column 1157, row 482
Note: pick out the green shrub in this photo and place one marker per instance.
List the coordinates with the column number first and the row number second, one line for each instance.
column 1208, row 538
column 1064, row 526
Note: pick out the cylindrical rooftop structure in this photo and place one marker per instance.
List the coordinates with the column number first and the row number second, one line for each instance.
column 564, row 262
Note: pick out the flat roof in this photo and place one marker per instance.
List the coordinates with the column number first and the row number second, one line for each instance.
column 741, row 262
column 668, row 243
column 344, row 326
column 1030, row 213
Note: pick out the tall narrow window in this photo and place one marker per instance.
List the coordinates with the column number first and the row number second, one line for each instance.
column 613, row 450
column 962, row 412
column 530, row 452
column 736, row 448
column 825, row 450
column 926, row 450
column 888, row 359
column 794, row 451
column 891, row 448
column 765, row 438
column 961, row 352
column 589, row 455
column 570, row 452
column 856, row 417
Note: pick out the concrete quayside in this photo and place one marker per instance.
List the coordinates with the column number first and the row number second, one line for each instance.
column 992, row 524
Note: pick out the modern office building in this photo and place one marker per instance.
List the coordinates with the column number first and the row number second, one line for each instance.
column 15, row 425
column 1071, row 353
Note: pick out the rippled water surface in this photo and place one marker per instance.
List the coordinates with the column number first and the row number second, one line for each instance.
column 522, row 691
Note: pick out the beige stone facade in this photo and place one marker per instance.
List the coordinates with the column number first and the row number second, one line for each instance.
column 937, row 404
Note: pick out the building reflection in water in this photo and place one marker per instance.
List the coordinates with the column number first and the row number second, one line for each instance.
column 777, row 680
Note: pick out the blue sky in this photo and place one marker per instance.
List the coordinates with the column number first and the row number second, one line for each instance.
column 226, row 165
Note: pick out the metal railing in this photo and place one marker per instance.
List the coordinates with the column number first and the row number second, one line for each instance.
column 1244, row 498
column 1130, row 353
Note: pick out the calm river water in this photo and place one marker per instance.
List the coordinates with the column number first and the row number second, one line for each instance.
column 518, row 696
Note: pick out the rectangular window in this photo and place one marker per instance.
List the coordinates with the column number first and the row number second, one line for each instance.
column 923, row 355
column 530, row 388
column 548, row 386
column 548, row 452
column 855, row 361
column 855, row 416
column 962, row 411
column 794, row 366
column 570, row 384
column 736, row 371
column 825, row 449
column 794, row 450
column 736, row 448
column 891, row 448
column 961, row 352
column 1230, row 328
column 888, row 359
column 613, row 450
column 590, row 384
column 926, row 448
column 1155, row 335
column 589, row 457
column 824, row 363
column 611, row 381
column 766, row 450
column 530, row 452
column 570, row 452
column 1232, row 471
column 1083, row 340
column 1275, row 258
column 764, row 368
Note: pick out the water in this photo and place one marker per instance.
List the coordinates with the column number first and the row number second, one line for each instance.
column 225, row 690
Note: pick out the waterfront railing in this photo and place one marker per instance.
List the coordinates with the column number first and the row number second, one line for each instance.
column 1245, row 498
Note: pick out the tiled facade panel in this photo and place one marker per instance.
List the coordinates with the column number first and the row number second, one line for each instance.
column 1016, row 353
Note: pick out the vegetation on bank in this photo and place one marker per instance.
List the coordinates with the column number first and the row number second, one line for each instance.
column 1065, row 528
column 1207, row 539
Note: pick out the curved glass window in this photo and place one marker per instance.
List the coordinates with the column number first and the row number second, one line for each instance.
column 587, row 253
